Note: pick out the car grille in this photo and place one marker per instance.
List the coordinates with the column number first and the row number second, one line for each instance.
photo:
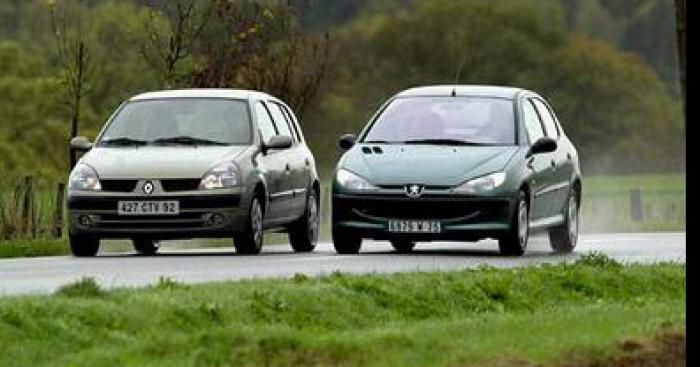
column 180, row 184
column 179, row 221
column 118, row 185
column 424, row 208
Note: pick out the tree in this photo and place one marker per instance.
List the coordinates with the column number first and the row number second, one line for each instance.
column 71, row 48
column 262, row 47
column 170, row 42
column 680, row 31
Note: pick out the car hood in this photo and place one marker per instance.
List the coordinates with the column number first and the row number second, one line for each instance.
column 158, row 161
column 426, row 164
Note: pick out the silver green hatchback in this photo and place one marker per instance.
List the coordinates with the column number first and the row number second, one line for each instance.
column 205, row 163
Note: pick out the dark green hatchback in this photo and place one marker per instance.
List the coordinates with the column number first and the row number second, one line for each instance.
column 458, row 163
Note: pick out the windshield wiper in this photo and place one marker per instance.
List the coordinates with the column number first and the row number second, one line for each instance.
column 187, row 140
column 123, row 141
column 444, row 142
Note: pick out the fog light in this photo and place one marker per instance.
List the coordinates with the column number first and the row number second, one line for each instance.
column 217, row 219
column 85, row 220
column 214, row 219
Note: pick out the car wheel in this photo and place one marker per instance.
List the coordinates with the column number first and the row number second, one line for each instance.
column 514, row 243
column 563, row 238
column 250, row 241
column 303, row 234
column 403, row 246
column 346, row 243
column 145, row 246
column 82, row 245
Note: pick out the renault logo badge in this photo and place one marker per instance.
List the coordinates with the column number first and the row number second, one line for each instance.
column 414, row 191
column 148, row 187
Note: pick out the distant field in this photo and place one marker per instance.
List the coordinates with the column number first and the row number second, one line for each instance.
column 546, row 315
column 607, row 203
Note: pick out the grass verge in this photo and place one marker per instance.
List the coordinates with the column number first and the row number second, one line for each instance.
column 33, row 248
column 544, row 314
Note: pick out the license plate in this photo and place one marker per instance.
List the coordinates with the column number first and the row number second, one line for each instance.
column 149, row 208
column 414, row 226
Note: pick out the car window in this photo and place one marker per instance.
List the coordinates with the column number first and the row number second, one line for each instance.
column 478, row 120
column 280, row 120
column 223, row 121
column 533, row 126
column 267, row 127
column 549, row 124
column 294, row 122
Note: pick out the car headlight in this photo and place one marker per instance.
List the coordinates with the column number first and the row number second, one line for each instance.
column 225, row 175
column 352, row 181
column 84, row 178
column 482, row 184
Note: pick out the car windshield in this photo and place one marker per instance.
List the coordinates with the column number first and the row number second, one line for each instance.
column 445, row 121
column 180, row 121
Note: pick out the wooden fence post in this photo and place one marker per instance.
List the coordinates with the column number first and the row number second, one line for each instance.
column 636, row 211
column 58, row 211
column 26, row 206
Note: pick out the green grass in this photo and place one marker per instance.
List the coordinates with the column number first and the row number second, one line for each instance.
column 471, row 317
column 32, row 248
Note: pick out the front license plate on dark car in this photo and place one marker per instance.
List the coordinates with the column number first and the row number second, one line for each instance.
column 414, row 226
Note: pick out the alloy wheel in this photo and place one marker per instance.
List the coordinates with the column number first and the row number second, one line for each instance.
column 523, row 224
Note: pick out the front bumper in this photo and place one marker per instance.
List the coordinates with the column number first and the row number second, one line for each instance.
column 210, row 215
column 462, row 218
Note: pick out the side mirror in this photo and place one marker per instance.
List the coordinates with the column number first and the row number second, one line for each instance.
column 278, row 142
column 543, row 145
column 81, row 144
column 347, row 141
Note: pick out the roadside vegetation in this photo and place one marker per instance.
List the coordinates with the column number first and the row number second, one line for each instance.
column 551, row 314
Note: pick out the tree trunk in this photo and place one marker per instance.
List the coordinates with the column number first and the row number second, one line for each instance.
column 680, row 32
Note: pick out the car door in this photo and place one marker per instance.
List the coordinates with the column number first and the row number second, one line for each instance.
column 306, row 161
column 273, row 165
column 295, row 161
column 539, row 164
column 562, row 163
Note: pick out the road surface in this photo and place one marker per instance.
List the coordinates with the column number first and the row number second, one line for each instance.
column 45, row 275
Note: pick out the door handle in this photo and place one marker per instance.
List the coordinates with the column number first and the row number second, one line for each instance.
column 307, row 162
column 529, row 163
column 287, row 168
column 554, row 164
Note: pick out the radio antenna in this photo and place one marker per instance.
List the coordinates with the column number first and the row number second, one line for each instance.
column 456, row 80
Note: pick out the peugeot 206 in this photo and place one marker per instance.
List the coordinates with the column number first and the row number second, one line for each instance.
column 458, row 163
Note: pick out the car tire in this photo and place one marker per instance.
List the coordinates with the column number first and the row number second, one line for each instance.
column 403, row 246
column 514, row 243
column 563, row 238
column 250, row 241
column 82, row 245
column 346, row 243
column 145, row 246
column 303, row 234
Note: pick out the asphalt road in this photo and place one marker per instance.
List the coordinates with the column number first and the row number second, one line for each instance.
column 44, row 275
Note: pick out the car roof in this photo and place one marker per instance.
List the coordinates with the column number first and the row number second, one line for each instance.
column 203, row 93
column 462, row 90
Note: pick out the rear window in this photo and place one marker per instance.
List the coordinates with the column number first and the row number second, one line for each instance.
column 479, row 120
